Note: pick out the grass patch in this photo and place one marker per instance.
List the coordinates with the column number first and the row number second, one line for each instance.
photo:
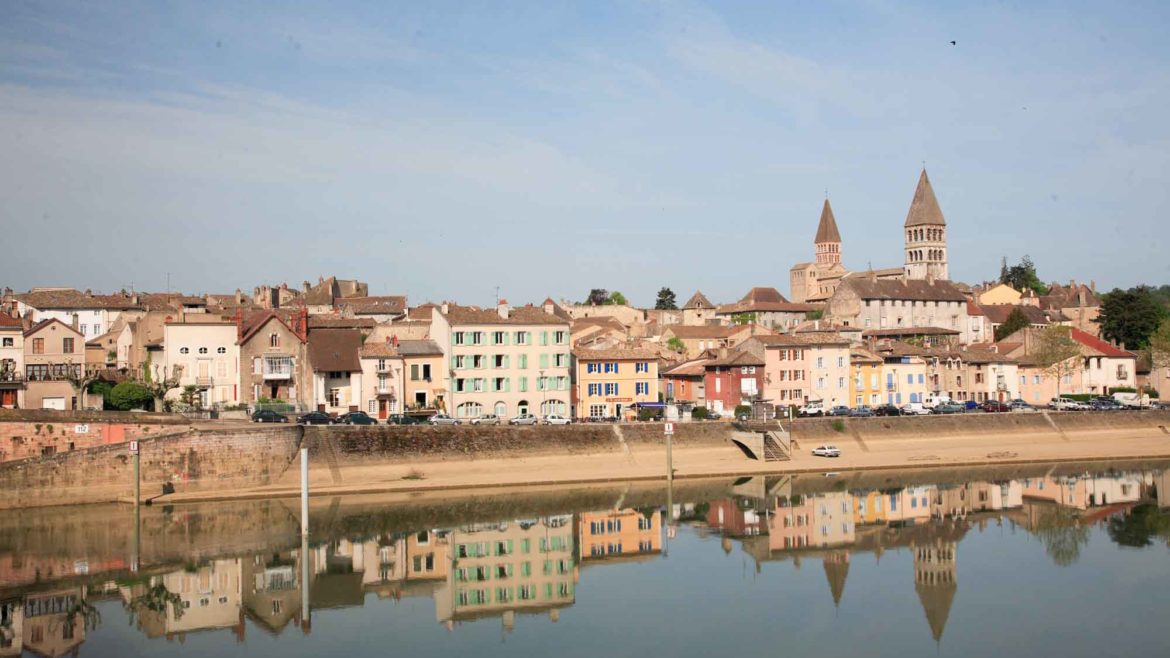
column 838, row 425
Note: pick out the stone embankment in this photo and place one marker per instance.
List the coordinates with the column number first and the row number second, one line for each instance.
column 224, row 461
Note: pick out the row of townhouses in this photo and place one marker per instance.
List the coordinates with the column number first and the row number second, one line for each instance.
column 895, row 335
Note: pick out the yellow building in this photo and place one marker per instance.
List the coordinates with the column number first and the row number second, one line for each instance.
column 610, row 381
column 619, row 533
column 865, row 377
column 1000, row 294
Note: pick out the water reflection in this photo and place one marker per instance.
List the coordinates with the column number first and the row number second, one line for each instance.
column 200, row 572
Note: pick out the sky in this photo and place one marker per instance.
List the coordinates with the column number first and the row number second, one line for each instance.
column 444, row 150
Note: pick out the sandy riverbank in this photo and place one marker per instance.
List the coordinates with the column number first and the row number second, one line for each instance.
column 644, row 462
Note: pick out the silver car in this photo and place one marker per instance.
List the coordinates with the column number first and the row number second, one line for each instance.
column 524, row 419
column 486, row 419
column 443, row 419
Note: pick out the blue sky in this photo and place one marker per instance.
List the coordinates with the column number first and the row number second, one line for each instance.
column 443, row 149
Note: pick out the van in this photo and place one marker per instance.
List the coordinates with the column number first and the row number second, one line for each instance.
column 813, row 408
column 915, row 409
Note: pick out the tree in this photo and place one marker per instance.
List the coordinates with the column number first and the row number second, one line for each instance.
column 675, row 343
column 1160, row 346
column 158, row 384
column 743, row 318
column 130, row 395
column 1056, row 353
column 1062, row 534
column 666, row 300
column 617, row 299
column 1131, row 316
column 1022, row 276
column 1015, row 321
column 597, row 296
column 1140, row 526
column 815, row 314
column 81, row 379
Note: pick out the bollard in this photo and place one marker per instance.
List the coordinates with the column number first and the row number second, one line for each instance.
column 305, row 491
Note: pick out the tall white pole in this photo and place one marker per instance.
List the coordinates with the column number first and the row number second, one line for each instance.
column 305, row 491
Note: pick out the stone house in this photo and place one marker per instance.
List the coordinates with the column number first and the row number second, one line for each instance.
column 697, row 339
column 274, row 358
column 382, row 389
column 698, row 310
column 334, row 355
column 765, row 307
column 872, row 303
column 53, row 352
column 11, row 362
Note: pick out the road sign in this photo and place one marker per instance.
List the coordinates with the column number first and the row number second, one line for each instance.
column 134, row 447
column 668, row 428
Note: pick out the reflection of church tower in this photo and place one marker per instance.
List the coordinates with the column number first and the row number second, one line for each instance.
column 926, row 235
column 836, row 570
column 828, row 240
column 934, row 580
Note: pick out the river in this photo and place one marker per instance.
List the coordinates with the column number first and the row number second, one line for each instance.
column 1070, row 559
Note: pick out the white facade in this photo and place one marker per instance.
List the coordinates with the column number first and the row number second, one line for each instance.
column 209, row 357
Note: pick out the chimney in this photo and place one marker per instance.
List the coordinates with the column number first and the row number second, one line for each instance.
column 394, row 340
column 930, row 278
column 239, row 297
column 1093, row 286
column 239, row 323
column 303, row 321
column 502, row 308
column 445, row 308
column 549, row 307
column 1081, row 298
column 75, row 322
column 722, row 352
column 136, row 299
column 306, row 286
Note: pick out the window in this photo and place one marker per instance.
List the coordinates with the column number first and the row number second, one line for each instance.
column 543, row 360
column 499, row 338
column 8, row 342
column 590, row 368
column 67, row 345
column 840, row 362
column 642, row 366
column 544, row 338
column 611, row 388
column 97, row 329
column 458, row 338
column 221, row 350
column 561, row 337
column 523, row 337
column 274, row 340
column 642, row 388
column 335, row 397
column 38, row 346
column 184, row 350
column 595, row 389
column 203, row 350
column 523, row 385
column 820, row 362
column 82, row 329
column 414, row 372
column 477, row 338
column 560, row 360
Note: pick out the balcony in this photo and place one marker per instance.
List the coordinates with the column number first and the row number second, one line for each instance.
column 204, row 382
column 384, row 389
column 11, row 379
column 278, row 367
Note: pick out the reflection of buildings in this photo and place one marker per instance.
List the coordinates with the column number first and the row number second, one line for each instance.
column 209, row 597
column 524, row 566
column 934, row 581
column 11, row 628
column 272, row 589
column 1083, row 492
column 619, row 533
column 53, row 622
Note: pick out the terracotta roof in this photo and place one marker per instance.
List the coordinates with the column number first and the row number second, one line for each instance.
column 378, row 350
column 698, row 300
column 858, row 355
column 44, row 323
column 764, row 300
column 256, row 321
column 614, row 354
column 910, row 331
column 970, row 355
column 390, row 304
column 905, row 289
column 694, row 368
column 973, row 309
column 702, row 330
column 463, row 315
column 335, row 350
column 998, row 314
column 1098, row 345
column 924, row 209
column 9, row 321
column 897, row 348
column 827, row 228
column 802, row 340
column 331, row 322
column 736, row 359
column 423, row 347
column 68, row 298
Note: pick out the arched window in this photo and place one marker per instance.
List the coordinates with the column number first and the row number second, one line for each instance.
column 501, row 409
column 522, row 408
column 274, row 340
column 549, row 407
column 469, row 410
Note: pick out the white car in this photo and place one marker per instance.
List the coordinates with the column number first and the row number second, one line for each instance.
column 813, row 408
column 915, row 409
column 554, row 419
column 486, row 419
column 826, row 451
column 523, row 419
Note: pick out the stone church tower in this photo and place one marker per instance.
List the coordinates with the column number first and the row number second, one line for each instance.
column 926, row 235
column 828, row 240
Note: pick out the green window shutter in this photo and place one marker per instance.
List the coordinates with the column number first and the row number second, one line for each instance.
column 508, row 385
column 453, row 358
column 543, row 360
column 507, row 361
column 523, row 361
column 523, row 388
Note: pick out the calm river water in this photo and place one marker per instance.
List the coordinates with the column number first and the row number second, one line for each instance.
column 1069, row 560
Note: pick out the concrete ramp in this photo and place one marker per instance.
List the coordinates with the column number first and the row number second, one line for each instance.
column 773, row 445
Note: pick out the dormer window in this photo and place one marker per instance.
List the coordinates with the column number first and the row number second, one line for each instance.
column 274, row 340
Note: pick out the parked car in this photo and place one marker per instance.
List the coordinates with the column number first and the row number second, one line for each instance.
column 403, row 419
column 316, row 418
column 995, row 406
column 444, row 419
column 268, row 416
column 970, row 405
column 486, row 419
column 840, row 410
column 556, row 419
column 887, row 410
column 948, row 408
column 1020, row 405
column 861, row 412
column 826, row 451
column 1067, row 404
column 813, row 408
column 524, row 419
column 357, row 418
column 915, row 409
column 1105, row 403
